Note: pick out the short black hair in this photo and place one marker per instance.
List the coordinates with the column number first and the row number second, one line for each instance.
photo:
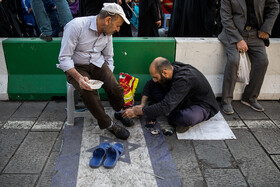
column 103, row 14
column 161, row 64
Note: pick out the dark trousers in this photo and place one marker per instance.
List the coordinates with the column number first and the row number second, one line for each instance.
column 188, row 116
column 91, row 98
column 259, row 62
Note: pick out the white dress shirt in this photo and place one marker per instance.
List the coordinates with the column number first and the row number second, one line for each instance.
column 81, row 45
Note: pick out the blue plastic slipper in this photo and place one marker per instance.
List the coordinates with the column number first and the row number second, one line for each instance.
column 98, row 155
column 113, row 155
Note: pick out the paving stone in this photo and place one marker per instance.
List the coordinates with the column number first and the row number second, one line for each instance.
column 238, row 124
column 271, row 108
column 32, row 154
column 267, row 134
column 276, row 159
column 30, row 109
column 246, row 112
column 19, row 123
column 224, row 177
column 48, row 126
column 7, row 109
column 213, row 154
column 184, row 157
column 277, row 122
column 256, row 166
column 16, row 180
column 55, row 111
column 58, row 143
column 46, row 177
column 10, row 139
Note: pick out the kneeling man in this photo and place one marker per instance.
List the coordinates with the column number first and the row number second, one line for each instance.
column 179, row 91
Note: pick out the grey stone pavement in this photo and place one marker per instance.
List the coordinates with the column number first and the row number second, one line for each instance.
column 31, row 134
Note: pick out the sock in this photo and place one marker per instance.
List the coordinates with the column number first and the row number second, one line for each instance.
column 110, row 127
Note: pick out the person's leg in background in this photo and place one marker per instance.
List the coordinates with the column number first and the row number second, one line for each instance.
column 259, row 63
column 42, row 19
column 53, row 16
column 30, row 30
column 63, row 10
column 230, row 75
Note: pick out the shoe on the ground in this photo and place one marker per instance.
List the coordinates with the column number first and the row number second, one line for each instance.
column 125, row 121
column 227, row 108
column 47, row 38
column 182, row 129
column 254, row 105
column 119, row 131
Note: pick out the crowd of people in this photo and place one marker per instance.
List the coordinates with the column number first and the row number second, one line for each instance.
column 148, row 18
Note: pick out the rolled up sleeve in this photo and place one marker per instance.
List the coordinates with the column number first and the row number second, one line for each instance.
column 68, row 44
column 108, row 54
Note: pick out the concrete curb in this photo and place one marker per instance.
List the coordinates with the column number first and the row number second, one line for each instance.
column 3, row 74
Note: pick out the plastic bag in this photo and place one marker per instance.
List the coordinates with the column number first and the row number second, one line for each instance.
column 243, row 69
column 129, row 85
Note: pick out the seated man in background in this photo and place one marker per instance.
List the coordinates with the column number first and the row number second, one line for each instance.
column 179, row 91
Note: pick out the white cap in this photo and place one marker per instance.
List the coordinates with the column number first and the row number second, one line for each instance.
column 115, row 9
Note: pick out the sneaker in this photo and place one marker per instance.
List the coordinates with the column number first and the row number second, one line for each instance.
column 119, row 131
column 47, row 38
column 254, row 105
column 182, row 129
column 227, row 109
column 125, row 121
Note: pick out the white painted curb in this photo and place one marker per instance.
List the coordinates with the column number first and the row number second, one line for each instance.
column 208, row 56
column 3, row 74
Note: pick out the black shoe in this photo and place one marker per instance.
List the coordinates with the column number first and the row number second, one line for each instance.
column 119, row 131
column 47, row 38
column 125, row 121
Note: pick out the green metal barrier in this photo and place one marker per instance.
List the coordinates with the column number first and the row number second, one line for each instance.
column 33, row 75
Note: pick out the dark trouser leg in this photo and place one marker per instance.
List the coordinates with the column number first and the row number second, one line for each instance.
column 259, row 63
column 230, row 73
column 111, row 86
column 91, row 98
column 189, row 116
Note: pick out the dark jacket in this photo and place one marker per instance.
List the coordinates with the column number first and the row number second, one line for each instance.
column 150, row 12
column 5, row 24
column 192, row 18
column 188, row 87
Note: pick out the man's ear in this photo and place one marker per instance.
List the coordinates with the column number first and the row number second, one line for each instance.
column 165, row 73
column 108, row 20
